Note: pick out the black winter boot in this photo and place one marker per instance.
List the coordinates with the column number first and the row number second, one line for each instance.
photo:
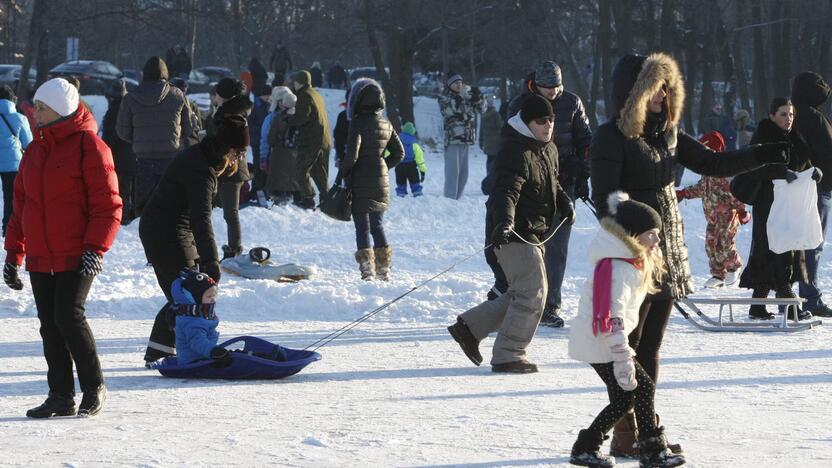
column 759, row 312
column 551, row 317
column 469, row 344
column 92, row 401
column 56, row 404
column 801, row 314
column 654, row 452
column 587, row 450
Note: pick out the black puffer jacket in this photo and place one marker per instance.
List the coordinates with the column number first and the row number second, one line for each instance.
column 176, row 222
column 764, row 269
column 809, row 93
column 572, row 132
column 364, row 166
column 526, row 190
column 636, row 153
column 156, row 119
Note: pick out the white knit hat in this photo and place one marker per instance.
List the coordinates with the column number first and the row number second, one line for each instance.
column 59, row 95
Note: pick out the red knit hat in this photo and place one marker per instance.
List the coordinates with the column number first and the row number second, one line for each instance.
column 714, row 141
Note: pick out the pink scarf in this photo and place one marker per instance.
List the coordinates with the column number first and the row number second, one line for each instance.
column 602, row 293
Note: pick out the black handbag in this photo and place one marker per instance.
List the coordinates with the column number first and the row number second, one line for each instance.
column 337, row 203
column 745, row 187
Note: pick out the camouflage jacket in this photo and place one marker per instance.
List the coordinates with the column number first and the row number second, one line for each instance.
column 715, row 193
column 459, row 114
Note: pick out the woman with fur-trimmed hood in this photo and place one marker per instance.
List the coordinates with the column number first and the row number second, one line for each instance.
column 636, row 152
column 282, row 147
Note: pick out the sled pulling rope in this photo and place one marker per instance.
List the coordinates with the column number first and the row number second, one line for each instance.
column 337, row 333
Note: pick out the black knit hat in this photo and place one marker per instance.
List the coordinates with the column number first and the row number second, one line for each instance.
column 634, row 216
column 547, row 75
column 190, row 286
column 228, row 88
column 624, row 77
column 155, row 69
column 232, row 131
column 535, row 106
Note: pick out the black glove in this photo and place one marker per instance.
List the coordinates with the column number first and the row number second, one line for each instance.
column 501, row 234
column 772, row 153
column 91, row 263
column 11, row 276
column 211, row 269
column 791, row 176
column 421, row 176
column 567, row 212
column 817, row 175
column 476, row 94
column 221, row 356
column 582, row 189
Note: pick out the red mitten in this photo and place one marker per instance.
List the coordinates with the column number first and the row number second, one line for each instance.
column 681, row 194
column 745, row 216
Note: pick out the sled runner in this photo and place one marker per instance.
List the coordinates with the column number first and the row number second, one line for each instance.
column 244, row 365
column 256, row 265
column 689, row 308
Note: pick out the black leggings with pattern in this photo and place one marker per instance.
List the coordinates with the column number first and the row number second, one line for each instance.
column 621, row 400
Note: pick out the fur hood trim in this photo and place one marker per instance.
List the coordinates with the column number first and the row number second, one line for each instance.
column 659, row 69
column 637, row 250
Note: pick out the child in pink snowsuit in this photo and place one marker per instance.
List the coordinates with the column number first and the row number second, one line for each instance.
column 724, row 214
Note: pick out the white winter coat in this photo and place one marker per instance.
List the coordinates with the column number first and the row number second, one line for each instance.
column 627, row 295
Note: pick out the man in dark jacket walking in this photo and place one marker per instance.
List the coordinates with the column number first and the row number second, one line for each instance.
column 156, row 120
column 572, row 137
column 519, row 211
column 809, row 94
column 314, row 141
column 123, row 156
column 490, row 127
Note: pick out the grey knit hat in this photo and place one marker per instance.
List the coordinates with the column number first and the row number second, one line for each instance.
column 547, row 75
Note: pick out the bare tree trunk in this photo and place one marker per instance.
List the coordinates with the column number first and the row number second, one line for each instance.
column 568, row 52
column 739, row 61
column 759, row 79
column 668, row 16
column 600, row 35
column 36, row 32
column 623, row 11
column 604, row 39
column 378, row 60
column 823, row 60
column 237, row 32
column 692, row 65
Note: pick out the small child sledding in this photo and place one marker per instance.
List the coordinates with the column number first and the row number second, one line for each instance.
column 724, row 214
column 194, row 297
column 412, row 169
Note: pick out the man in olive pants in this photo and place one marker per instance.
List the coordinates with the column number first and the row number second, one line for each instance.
column 515, row 314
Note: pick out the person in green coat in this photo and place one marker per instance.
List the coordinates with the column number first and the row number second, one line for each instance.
column 314, row 142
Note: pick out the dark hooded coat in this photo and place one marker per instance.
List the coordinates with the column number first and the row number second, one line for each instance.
column 809, row 94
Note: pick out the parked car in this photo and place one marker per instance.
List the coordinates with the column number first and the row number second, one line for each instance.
column 199, row 82
column 366, row 72
column 215, row 74
column 96, row 76
column 10, row 75
column 133, row 74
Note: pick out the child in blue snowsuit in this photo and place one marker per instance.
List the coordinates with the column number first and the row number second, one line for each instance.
column 194, row 296
column 412, row 168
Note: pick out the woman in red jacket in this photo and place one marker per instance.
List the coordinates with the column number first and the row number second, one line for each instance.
column 66, row 214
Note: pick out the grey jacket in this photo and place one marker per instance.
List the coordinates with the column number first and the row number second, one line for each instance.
column 156, row 119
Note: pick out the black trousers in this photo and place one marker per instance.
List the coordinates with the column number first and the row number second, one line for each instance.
column 621, row 401
column 162, row 340
column 407, row 173
column 127, row 190
column 7, row 179
column 230, row 196
column 647, row 337
column 66, row 335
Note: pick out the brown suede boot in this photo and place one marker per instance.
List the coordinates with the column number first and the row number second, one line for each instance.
column 366, row 263
column 625, row 437
column 384, row 257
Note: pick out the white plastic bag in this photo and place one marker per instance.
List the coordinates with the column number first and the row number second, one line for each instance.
column 794, row 221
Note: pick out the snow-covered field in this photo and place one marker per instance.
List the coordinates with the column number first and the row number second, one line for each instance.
column 398, row 391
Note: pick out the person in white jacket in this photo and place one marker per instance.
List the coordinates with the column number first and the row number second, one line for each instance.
column 628, row 265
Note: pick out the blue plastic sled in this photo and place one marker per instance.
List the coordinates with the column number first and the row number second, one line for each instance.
column 243, row 366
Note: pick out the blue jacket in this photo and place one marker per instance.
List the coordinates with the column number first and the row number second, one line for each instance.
column 265, row 149
column 255, row 123
column 11, row 148
column 195, row 337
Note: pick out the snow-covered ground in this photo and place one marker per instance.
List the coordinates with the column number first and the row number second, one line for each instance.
column 397, row 391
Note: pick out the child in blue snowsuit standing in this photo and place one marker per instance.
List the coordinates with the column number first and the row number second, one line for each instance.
column 194, row 297
column 412, row 169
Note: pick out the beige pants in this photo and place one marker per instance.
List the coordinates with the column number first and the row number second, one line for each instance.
column 515, row 314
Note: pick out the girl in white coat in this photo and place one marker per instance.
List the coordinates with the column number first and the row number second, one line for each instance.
column 628, row 265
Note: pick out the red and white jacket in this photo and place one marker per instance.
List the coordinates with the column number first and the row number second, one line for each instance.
column 66, row 197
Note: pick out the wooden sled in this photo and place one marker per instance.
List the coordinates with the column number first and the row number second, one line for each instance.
column 689, row 308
